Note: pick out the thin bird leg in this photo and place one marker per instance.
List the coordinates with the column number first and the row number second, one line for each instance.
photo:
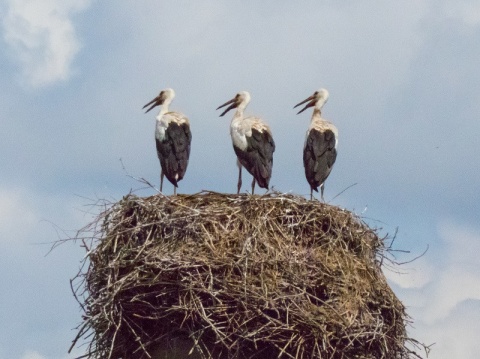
column 239, row 184
column 321, row 191
column 174, row 190
column 311, row 193
column 161, row 180
column 253, row 185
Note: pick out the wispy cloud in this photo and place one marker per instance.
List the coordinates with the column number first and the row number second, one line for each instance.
column 42, row 38
column 32, row 355
column 16, row 215
column 416, row 276
column 443, row 294
column 459, row 280
column 455, row 336
column 466, row 11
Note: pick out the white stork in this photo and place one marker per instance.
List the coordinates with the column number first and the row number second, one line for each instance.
column 320, row 149
column 173, row 139
column 252, row 141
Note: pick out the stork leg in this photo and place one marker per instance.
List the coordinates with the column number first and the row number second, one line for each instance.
column 311, row 193
column 321, row 191
column 239, row 184
column 253, row 185
column 161, row 180
column 174, row 190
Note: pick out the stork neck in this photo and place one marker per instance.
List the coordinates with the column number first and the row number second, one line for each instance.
column 238, row 116
column 163, row 110
column 317, row 113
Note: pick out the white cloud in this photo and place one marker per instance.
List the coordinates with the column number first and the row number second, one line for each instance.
column 467, row 11
column 416, row 275
column 454, row 286
column 463, row 242
column 443, row 293
column 28, row 224
column 460, row 279
column 16, row 215
column 30, row 218
column 32, row 355
column 42, row 37
column 455, row 336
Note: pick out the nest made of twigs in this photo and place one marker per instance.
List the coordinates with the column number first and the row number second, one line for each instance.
column 240, row 276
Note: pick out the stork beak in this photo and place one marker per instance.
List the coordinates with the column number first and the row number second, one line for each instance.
column 157, row 101
column 233, row 105
column 310, row 104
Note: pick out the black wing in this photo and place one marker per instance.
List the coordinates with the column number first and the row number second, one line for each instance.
column 258, row 157
column 319, row 155
column 174, row 151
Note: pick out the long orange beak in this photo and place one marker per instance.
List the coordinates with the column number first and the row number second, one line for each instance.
column 310, row 104
column 157, row 101
column 232, row 106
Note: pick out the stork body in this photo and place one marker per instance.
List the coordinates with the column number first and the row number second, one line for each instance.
column 173, row 139
column 252, row 142
column 320, row 148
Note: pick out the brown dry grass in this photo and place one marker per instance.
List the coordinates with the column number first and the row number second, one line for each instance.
column 242, row 276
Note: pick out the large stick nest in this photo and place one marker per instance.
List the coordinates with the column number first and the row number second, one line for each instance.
column 242, row 276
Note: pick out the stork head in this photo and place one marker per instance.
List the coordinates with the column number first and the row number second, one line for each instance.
column 164, row 97
column 318, row 99
column 240, row 101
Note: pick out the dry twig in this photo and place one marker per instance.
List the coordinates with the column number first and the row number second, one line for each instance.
column 242, row 276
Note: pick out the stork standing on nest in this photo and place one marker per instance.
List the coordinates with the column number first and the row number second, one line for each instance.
column 320, row 149
column 252, row 141
column 173, row 139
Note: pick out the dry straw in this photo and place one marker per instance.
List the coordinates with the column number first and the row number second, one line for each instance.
column 239, row 276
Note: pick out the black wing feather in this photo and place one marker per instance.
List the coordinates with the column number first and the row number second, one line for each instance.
column 174, row 151
column 258, row 157
column 319, row 155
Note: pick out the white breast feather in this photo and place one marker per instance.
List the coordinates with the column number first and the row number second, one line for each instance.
column 237, row 132
column 240, row 129
column 164, row 121
column 160, row 130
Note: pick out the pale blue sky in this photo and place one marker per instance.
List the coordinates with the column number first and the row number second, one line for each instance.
column 404, row 85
